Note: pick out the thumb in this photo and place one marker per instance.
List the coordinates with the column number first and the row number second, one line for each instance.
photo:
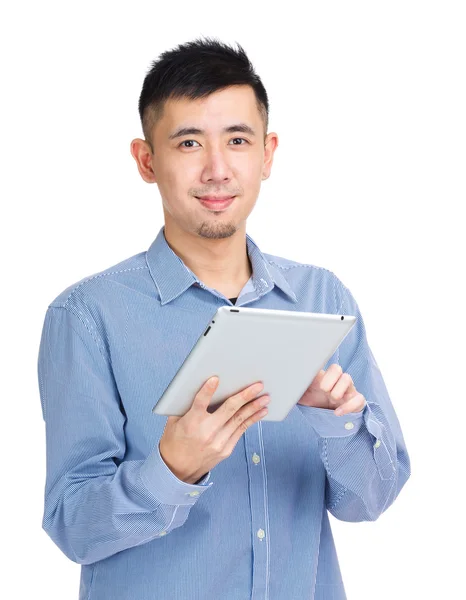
column 172, row 419
column 204, row 395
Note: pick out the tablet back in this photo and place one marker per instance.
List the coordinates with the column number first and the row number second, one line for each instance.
column 283, row 349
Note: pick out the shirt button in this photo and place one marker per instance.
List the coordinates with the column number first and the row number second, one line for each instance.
column 256, row 458
column 261, row 534
column 194, row 493
column 377, row 444
column 163, row 533
column 349, row 425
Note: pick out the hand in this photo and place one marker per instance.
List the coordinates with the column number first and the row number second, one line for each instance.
column 193, row 444
column 333, row 389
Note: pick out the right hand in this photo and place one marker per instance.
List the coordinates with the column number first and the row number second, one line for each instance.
column 193, row 444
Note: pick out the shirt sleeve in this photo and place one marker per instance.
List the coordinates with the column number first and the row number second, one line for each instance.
column 364, row 453
column 96, row 503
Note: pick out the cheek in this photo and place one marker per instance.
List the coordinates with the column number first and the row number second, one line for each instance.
column 253, row 167
column 251, row 171
column 177, row 178
column 246, row 168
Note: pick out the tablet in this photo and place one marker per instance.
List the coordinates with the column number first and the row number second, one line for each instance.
column 283, row 349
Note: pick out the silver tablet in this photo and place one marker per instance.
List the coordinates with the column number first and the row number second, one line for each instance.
column 283, row 349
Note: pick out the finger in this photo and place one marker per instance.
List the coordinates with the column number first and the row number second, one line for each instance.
column 172, row 419
column 343, row 386
column 355, row 404
column 234, row 403
column 204, row 395
column 241, row 421
column 318, row 378
column 316, row 382
column 332, row 375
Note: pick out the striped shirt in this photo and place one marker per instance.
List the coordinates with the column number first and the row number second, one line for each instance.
column 256, row 526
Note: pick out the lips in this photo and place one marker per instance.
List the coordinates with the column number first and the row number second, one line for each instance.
column 217, row 203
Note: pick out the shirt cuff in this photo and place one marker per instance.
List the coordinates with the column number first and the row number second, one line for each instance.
column 204, row 479
column 327, row 424
column 164, row 485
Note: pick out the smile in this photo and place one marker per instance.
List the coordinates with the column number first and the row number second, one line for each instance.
column 216, row 204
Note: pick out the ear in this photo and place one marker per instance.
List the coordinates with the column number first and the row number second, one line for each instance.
column 142, row 154
column 271, row 143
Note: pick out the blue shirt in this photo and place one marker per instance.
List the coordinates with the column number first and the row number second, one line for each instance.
column 256, row 526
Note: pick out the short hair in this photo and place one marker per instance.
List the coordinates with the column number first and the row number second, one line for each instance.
column 195, row 70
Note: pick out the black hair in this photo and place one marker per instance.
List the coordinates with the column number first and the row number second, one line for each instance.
column 195, row 70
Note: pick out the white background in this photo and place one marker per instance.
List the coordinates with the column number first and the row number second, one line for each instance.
column 368, row 100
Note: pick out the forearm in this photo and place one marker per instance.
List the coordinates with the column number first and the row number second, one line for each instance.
column 93, row 517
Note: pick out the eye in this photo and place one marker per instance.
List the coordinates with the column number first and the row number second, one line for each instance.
column 185, row 143
column 238, row 138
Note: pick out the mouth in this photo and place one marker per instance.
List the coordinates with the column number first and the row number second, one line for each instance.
column 218, row 203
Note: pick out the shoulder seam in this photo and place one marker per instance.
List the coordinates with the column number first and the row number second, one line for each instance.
column 341, row 288
column 94, row 335
column 340, row 310
column 285, row 268
column 95, row 277
column 336, row 281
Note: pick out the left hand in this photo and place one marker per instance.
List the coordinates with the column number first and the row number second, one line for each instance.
column 333, row 389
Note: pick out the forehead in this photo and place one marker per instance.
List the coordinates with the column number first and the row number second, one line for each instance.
column 229, row 105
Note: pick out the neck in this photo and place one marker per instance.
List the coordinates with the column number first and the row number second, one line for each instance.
column 222, row 264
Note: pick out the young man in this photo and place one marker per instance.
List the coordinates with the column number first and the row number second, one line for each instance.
column 210, row 505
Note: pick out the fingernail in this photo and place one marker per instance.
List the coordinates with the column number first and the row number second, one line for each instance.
column 338, row 411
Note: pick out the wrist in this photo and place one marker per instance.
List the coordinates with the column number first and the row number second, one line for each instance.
column 175, row 472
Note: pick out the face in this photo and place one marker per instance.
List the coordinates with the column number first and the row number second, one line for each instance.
column 227, row 156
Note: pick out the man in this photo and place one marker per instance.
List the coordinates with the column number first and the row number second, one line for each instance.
column 214, row 505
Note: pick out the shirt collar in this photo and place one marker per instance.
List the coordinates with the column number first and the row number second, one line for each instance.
column 172, row 277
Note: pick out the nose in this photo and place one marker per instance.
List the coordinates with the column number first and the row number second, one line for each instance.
column 216, row 167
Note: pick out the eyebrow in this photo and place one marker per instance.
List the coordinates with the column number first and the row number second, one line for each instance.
column 241, row 127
